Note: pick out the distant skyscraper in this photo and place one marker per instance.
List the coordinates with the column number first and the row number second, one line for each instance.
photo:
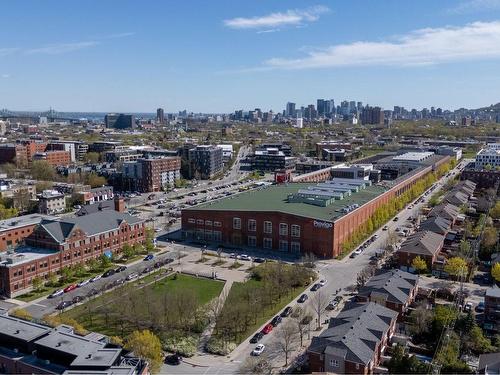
column 372, row 115
column 320, row 106
column 290, row 109
column 352, row 106
column 160, row 115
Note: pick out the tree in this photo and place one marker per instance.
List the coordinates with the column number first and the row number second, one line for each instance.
column 301, row 318
column 37, row 283
column 402, row 363
column 490, row 237
column 52, row 279
column 256, row 365
column 419, row 264
column 21, row 199
column 42, row 170
column 104, row 261
column 286, row 339
column 495, row 272
column 421, row 319
column 147, row 346
column 495, row 211
column 21, row 314
column 475, row 341
column 392, row 239
column 319, row 301
column 66, row 273
column 94, row 180
column 128, row 251
column 92, row 157
column 93, row 265
column 456, row 266
column 149, row 243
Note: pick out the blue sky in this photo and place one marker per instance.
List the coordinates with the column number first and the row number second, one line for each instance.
column 218, row 56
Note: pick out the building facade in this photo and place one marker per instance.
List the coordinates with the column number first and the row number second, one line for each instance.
column 153, row 174
column 51, row 202
column 205, row 162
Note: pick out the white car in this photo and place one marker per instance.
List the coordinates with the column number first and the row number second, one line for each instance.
column 245, row 257
column 323, row 282
column 259, row 349
column 57, row 293
column 95, row 278
column 83, row 283
column 132, row 276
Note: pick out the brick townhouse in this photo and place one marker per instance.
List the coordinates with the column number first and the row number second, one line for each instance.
column 354, row 341
column 54, row 244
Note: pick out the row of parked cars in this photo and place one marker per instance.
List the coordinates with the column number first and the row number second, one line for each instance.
column 363, row 246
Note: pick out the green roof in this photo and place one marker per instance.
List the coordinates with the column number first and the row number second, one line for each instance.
column 274, row 198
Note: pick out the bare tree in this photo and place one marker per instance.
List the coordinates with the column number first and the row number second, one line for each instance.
column 301, row 319
column 364, row 275
column 256, row 365
column 319, row 301
column 285, row 339
column 392, row 239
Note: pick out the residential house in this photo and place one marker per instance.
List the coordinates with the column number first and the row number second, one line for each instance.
column 425, row 244
column 354, row 341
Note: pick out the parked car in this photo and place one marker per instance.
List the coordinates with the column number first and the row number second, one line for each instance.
column 323, row 282
column 132, row 276
column 286, row 312
column 395, row 219
column 303, row 298
column 63, row 305
column 57, row 293
column 95, row 278
column 276, row 320
column 121, row 269
column 83, row 283
column 259, row 260
column 108, row 273
column 69, row 288
column 245, row 257
column 268, row 328
column 147, row 270
column 385, row 227
column 77, row 299
column 315, row 287
column 174, row 359
column 149, row 257
column 332, row 305
column 257, row 337
column 259, row 349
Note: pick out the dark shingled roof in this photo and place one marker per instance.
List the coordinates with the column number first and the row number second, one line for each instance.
column 99, row 222
column 394, row 285
column 355, row 332
column 422, row 242
column 436, row 224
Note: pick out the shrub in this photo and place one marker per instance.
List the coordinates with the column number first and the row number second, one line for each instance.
column 186, row 345
column 216, row 346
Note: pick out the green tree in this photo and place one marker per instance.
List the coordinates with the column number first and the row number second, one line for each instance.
column 92, row 157
column 443, row 315
column 42, row 170
column 402, row 363
column 67, row 274
column 456, row 266
column 128, row 251
column 104, row 261
column 94, row 180
column 490, row 237
column 93, row 265
column 495, row 211
column 419, row 264
column 147, row 346
column 52, row 279
column 37, row 283
column 495, row 272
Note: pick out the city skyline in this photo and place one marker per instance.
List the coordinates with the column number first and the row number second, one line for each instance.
column 101, row 57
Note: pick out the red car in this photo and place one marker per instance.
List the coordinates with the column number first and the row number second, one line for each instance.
column 268, row 328
column 69, row 288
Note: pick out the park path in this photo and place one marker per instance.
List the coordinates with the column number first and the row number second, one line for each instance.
column 207, row 333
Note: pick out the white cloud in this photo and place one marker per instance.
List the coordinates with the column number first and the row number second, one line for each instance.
column 474, row 41
column 56, row 49
column 470, row 6
column 274, row 20
column 5, row 75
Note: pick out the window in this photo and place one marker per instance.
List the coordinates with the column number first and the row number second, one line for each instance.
column 357, row 366
column 236, row 223
column 295, row 230
column 208, row 222
column 283, row 229
column 268, row 243
column 268, row 227
column 217, row 235
column 295, row 247
column 208, row 235
column 252, row 241
column 252, row 225
column 283, row 245
column 199, row 221
column 217, row 224
column 334, row 363
column 191, row 221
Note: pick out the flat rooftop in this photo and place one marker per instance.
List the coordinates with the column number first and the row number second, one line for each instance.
column 23, row 254
column 21, row 329
column 22, row 221
column 275, row 198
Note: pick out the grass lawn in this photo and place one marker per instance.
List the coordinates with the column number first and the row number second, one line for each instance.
column 266, row 313
column 91, row 316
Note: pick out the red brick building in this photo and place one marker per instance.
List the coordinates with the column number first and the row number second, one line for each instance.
column 151, row 174
column 25, row 151
column 55, row 244
column 54, row 158
column 13, row 231
column 263, row 218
